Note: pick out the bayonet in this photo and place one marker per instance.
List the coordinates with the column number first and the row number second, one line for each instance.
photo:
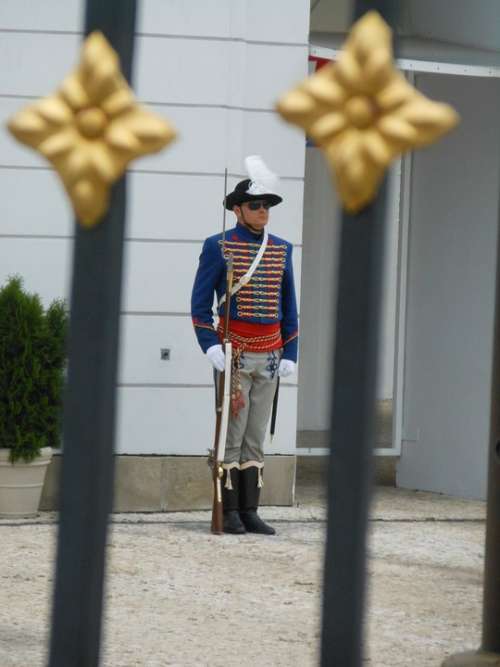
column 224, row 216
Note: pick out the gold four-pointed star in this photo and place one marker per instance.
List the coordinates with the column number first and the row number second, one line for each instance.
column 363, row 113
column 91, row 128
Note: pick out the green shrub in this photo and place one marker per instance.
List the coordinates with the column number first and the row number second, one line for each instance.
column 32, row 362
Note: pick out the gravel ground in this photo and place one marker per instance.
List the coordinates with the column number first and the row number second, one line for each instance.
column 167, row 605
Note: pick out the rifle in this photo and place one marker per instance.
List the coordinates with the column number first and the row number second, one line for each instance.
column 222, row 395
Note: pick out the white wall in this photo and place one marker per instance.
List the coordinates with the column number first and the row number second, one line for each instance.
column 471, row 23
column 319, row 287
column 451, row 286
column 462, row 21
column 328, row 16
column 215, row 69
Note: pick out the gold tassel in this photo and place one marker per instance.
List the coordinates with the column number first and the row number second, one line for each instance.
column 229, row 483
column 237, row 400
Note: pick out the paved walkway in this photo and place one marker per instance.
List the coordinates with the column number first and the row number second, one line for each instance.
column 168, row 604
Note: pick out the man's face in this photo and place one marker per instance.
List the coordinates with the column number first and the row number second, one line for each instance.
column 253, row 213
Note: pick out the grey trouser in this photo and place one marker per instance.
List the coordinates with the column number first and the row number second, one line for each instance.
column 247, row 431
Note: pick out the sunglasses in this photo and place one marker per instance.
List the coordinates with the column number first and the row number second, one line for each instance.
column 258, row 203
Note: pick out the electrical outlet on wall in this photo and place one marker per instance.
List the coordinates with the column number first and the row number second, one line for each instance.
column 165, row 353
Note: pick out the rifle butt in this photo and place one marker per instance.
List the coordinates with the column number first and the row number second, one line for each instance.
column 217, row 526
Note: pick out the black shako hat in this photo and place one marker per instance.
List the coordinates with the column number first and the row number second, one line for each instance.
column 240, row 195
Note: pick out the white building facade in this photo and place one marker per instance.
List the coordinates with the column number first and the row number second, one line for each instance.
column 215, row 70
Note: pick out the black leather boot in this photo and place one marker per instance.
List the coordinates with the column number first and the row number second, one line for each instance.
column 249, row 502
column 230, row 503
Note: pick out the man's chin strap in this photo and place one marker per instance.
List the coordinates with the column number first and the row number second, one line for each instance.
column 247, row 224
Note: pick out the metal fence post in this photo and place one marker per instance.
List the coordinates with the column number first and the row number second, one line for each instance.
column 89, row 407
column 353, row 416
column 353, row 412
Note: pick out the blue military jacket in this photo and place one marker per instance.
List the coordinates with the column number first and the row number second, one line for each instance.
column 268, row 297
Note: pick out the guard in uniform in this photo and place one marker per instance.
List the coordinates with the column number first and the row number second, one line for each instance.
column 264, row 333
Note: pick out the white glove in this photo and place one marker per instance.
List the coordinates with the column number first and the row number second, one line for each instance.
column 286, row 368
column 217, row 357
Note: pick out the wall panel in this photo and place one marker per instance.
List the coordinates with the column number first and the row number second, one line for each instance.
column 258, row 20
column 35, row 15
column 159, row 276
column 279, row 69
column 12, row 153
column 166, row 70
column 34, row 203
column 211, row 139
column 180, row 421
column 205, row 142
column 277, row 21
column 26, row 72
column 142, row 336
column 282, row 144
column 451, row 294
column 189, row 207
column 161, row 206
column 284, row 441
column 215, row 69
column 185, row 71
column 45, row 264
column 224, row 19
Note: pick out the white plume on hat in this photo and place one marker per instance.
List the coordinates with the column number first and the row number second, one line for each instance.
column 262, row 180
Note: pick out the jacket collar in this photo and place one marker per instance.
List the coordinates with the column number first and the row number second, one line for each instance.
column 244, row 233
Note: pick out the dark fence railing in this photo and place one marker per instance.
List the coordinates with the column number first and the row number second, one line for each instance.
column 353, row 419
column 491, row 606
column 89, row 406
column 352, row 434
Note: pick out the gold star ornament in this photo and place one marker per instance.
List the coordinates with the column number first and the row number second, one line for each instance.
column 363, row 113
column 91, row 128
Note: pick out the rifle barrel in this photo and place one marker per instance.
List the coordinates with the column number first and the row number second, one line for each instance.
column 217, row 508
column 229, row 286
